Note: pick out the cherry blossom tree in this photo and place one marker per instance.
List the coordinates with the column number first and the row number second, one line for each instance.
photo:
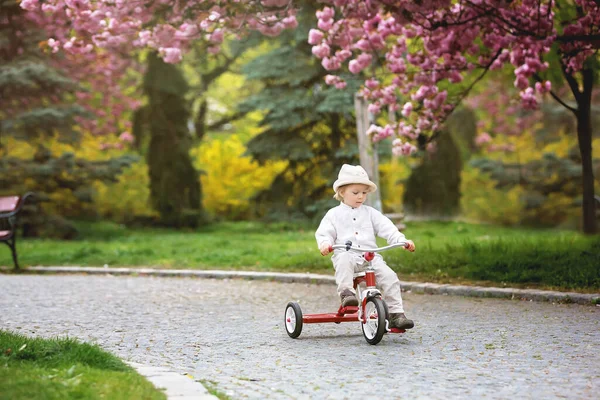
column 421, row 57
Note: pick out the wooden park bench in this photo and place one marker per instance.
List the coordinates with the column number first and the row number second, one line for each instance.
column 9, row 209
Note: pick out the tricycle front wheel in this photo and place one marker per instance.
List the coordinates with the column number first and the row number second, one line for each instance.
column 293, row 319
column 374, row 327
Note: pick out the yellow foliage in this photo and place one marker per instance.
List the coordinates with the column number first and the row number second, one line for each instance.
column 231, row 179
column 89, row 147
column 61, row 200
column 16, row 148
column 128, row 197
column 556, row 208
column 562, row 146
column 481, row 201
column 392, row 190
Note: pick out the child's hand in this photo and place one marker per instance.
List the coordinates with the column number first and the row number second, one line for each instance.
column 410, row 246
column 325, row 249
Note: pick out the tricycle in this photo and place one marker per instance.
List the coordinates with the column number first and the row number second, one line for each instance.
column 372, row 311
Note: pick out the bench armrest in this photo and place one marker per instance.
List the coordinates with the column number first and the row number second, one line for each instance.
column 20, row 202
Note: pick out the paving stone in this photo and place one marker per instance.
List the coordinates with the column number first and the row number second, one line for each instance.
column 229, row 333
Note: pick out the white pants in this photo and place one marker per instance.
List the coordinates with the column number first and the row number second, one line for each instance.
column 347, row 263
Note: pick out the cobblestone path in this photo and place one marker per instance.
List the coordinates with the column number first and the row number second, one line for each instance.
column 229, row 333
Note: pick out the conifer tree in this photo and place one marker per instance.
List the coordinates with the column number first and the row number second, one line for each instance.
column 36, row 103
column 174, row 184
column 307, row 123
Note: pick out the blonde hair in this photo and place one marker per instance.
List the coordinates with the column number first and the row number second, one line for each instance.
column 338, row 193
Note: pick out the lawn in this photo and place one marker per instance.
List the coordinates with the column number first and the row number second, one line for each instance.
column 447, row 252
column 36, row 368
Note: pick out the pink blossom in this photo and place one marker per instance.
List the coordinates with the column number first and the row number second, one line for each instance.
column 343, row 55
column 290, row 22
column 321, row 50
column 171, row 55
column 482, row 139
column 407, row 109
column 126, row 137
column 374, row 108
column 217, row 36
column 315, row 36
column 325, row 13
column 377, row 29
column 331, row 79
column 354, row 67
column 331, row 63
column 29, row 5
column 363, row 44
column 325, row 25
column 372, row 83
column 373, row 129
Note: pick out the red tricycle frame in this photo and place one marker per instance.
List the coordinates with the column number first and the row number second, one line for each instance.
column 372, row 311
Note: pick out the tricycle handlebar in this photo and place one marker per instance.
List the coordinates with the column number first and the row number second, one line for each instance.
column 348, row 246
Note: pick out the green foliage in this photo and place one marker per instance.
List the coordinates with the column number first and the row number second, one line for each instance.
column 35, row 368
column 165, row 78
column 42, row 149
column 462, row 126
column 540, row 184
column 29, row 78
column 289, row 146
column 482, row 201
column 62, row 177
column 305, row 122
column 433, row 188
column 47, row 119
column 285, row 64
column 34, row 96
column 446, row 252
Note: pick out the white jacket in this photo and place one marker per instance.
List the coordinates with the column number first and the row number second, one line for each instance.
column 359, row 225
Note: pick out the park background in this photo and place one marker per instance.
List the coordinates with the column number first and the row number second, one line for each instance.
column 226, row 160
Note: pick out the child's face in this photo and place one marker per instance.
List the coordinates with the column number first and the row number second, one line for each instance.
column 355, row 195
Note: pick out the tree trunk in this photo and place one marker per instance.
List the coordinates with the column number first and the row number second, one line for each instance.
column 584, row 136
column 367, row 150
column 582, row 91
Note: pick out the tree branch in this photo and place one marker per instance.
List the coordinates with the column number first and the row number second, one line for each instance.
column 555, row 96
column 209, row 77
column 480, row 77
column 571, row 81
column 580, row 38
column 225, row 120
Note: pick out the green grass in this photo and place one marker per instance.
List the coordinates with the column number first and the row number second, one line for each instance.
column 34, row 368
column 447, row 252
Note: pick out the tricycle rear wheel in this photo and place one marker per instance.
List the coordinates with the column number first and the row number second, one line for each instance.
column 293, row 319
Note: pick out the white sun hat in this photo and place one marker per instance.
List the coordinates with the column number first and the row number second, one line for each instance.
column 350, row 174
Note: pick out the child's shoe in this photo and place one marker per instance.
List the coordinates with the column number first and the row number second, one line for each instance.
column 348, row 299
column 399, row 321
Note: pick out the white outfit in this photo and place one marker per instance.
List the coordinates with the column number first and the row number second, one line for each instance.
column 361, row 225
